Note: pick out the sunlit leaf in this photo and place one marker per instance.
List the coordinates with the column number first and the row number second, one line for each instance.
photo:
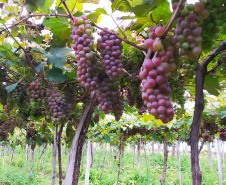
column 122, row 5
column 211, row 84
column 57, row 75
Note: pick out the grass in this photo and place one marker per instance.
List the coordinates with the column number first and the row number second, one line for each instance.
column 130, row 172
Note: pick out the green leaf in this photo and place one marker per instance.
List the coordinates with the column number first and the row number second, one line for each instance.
column 75, row 5
column 107, row 139
column 78, row 14
column 60, row 10
column 61, row 31
column 55, row 51
column 2, row 21
column 211, row 84
column 149, row 1
column 39, row 141
column 222, row 114
column 11, row 87
column 2, row 53
column 57, row 60
column 57, row 75
column 122, row 5
column 40, row 66
column 93, row 17
column 101, row 11
column 39, row 39
column 57, row 57
column 144, row 9
column 44, row 5
column 162, row 13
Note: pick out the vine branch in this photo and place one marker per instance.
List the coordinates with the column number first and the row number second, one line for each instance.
column 34, row 15
column 69, row 12
column 124, row 40
column 219, row 62
column 176, row 12
column 200, row 149
column 214, row 53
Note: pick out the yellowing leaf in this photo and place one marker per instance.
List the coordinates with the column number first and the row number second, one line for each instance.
column 47, row 37
column 79, row 7
column 99, row 19
column 24, row 44
column 159, row 122
column 148, row 118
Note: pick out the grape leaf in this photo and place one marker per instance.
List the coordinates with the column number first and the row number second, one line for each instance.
column 222, row 114
column 57, row 75
column 11, row 87
column 211, row 84
column 56, row 51
column 57, row 60
column 107, row 139
column 122, row 5
column 162, row 13
column 149, row 1
column 61, row 31
column 39, row 67
column 93, row 17
column 57, row 57
column 72, row 5
column 2, row 21
column 44, row 5
column 144, row 9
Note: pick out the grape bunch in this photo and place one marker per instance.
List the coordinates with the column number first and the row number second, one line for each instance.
column 136, row 91
column 223, row 121
column 17, row 96
column 4, row 132
column 7, row 109
column 211, row 32
column 189, row 68
column 154, row 42
column 219, row 9
column 177, row 84
column 111, row 51
column 3, row 135
column 109, row 97
column 188, row 30
column 130, row 98
column 96, row 118
column 3, row 74
column 37, row 92
column 214, row 26
column 56, row 109
column 83, row 45
column 135, row 55
column 222, row 133
column 31, row 132
column 142, row 110
column 155, row 75
column 223, row 60
column 206, row 137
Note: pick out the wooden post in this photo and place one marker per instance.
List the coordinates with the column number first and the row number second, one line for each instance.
column 88, row 162
column 209, row 154
column 54, row 156
column 4, row 154
column 179, row 165
column 32, row 162
column 219, row 159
